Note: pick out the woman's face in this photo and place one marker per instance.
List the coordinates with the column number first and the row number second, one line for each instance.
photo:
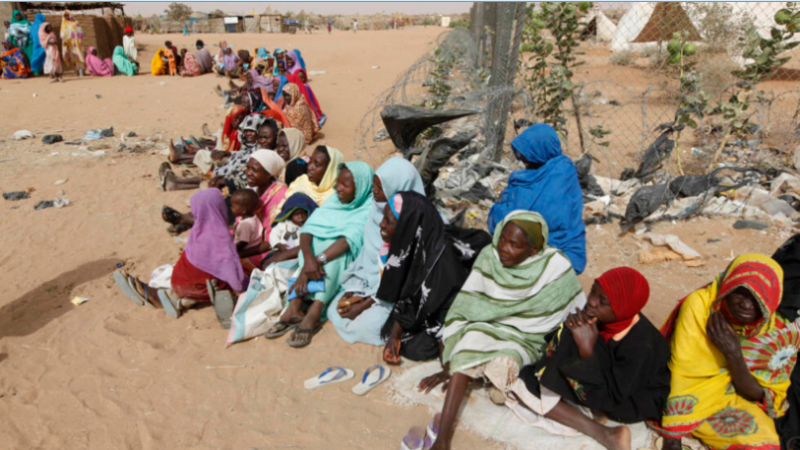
column 48, row 28
column 19, row 16
column 388, row 224
column 94, row 51
column 514, row 247
column 266, row 138
column 237, row 120
column 377, row 190
column 288, row 98
column 743, row 306
column 303, row 76
column 318, row 166
column 282, row 147
column 250, row 136
column 345, row 186
column 598, row 305
column 248, row 78
column 256, row 175
column 246, row 103
column 289, row 62
column 276, row 82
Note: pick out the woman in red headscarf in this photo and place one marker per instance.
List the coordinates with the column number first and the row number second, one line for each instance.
column 607, row 359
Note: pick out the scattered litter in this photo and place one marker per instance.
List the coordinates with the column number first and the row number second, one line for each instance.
column 674, row 242
column 7, row 160
column 15, row 196
column 381, row 135
column 97, row 96
column 163, row 84
column 713, row 241
column 93, row 135
column 658, row 255
column 317, row 72
column 695, row 263
column 744, row 224
column 52, row 139
column 132, row 134
column 57, row 203
column 22, row 134
column 376, row 67
column 35, row 95
column 59, row 182
column 78, row 301
column 53, row 154
column 15, row 207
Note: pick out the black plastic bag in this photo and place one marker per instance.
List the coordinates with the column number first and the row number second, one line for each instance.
column 404, row 123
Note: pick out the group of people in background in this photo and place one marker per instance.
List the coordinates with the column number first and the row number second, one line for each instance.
column 34, row 49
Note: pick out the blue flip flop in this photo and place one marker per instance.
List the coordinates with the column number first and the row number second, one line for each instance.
column 169, row 306
column 373, row 376
column 331, row 375
column 122, row 282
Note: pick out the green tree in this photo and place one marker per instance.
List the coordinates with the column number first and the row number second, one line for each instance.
column 178, row 12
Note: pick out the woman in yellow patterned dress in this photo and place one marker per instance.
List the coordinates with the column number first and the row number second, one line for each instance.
column 731, row 360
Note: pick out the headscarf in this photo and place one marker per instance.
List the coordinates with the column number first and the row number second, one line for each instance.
column 98, row 67
column 508, row 311
column 532, row 190
column 230, row 135
column 52, row 61
column 222, row 46
column 627, row 291
column 121, row 62
column 71, row 40
column 172, row 60
column 229, row 61
column 363, row 276
column 299, row 113
column 296, row 141
column 256, row 100
column 427, row 264
column 210, row 247
column 310, row 97
column 251, row 123
column 272, row 110
column 299, row 64
column 157, row 66
column 25, row 25
column 701, row 380
column 270, row 161
column 38, row 55
column 262, row 53
column 234, row 168
column 283, row 82
column 293, row 203
column 319, row 193
column 259, row 81
column 335, row 219
column 128, row 30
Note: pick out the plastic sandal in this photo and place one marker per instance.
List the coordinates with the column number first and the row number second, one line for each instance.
column 414, row 440
column 170, row 307
column 433, row 427
column 122, row 282
column 373, row 376
column 331, row 375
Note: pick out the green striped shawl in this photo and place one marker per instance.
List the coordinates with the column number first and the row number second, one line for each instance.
column 508, row 311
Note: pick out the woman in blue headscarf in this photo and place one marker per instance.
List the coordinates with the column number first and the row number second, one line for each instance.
column 37, row 57
column 355, row 312
column 549, row 186
column 278, row 82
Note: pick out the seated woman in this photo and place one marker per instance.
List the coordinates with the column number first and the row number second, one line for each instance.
column 788, row 256
column 330, row 240
column 519, row 291
column 159, row 65
column 299, row 113
column 13, row 62
column 290, row 146
column 124, row 64
column 97, row 67
column 425, row 265
column 209, row 256
column 731, row 360
column 355, row 312
column 191, row 67
column 532, row 189
column 608, row 361
column 301, row 79
column 294, row 61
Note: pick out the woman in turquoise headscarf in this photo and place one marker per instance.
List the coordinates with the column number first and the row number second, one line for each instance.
column 18, row 19
column 355, row 312
column 38, row 54
column 123, row 63
column 329, row 242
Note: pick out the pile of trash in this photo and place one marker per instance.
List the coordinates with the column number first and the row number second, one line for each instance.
column 465, row 185
column 99, row 141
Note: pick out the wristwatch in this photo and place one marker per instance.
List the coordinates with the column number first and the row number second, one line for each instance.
column 321, row 258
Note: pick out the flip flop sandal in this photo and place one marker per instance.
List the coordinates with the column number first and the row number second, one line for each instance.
column 170, row 215
column 223, row 303
column 433, row 427
column 171, row 308
column 122, row 282
column 287, row 327
column 303, row 331
column 374, row 376
column 331, row 375
column 162, row 174
column 137, row 288
column 178, row 229
column 414, row 439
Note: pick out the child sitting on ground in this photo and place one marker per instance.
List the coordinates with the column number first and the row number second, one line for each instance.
column 249, row 231
column 286, row 228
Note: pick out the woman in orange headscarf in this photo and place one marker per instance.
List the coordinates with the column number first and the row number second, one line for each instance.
column 299, row 113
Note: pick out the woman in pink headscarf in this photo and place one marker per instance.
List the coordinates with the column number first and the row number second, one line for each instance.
column 98, row 67
column 52, row 59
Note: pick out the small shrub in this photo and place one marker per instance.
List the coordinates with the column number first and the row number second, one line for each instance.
column 623, row 58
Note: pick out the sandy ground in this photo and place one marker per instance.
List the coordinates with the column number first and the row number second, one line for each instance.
column 111, row 375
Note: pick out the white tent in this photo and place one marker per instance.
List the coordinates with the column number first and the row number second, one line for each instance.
column 646, row 23
column 599, row 25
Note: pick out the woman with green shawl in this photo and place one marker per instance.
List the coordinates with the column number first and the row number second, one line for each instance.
column 123, row 63
column 329, row 242
column 520, row 289
column 20, row 34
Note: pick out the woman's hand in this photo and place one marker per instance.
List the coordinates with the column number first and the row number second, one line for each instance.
column 300, row 285
column 217, row 182
column 217, row 155
column 428, row 383
column 391, row 352
column 351, row 308
column 723, row 336
column 584, row 332
column 313, row 269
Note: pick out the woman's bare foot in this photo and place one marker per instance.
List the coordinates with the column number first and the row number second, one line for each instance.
column 617, row 438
